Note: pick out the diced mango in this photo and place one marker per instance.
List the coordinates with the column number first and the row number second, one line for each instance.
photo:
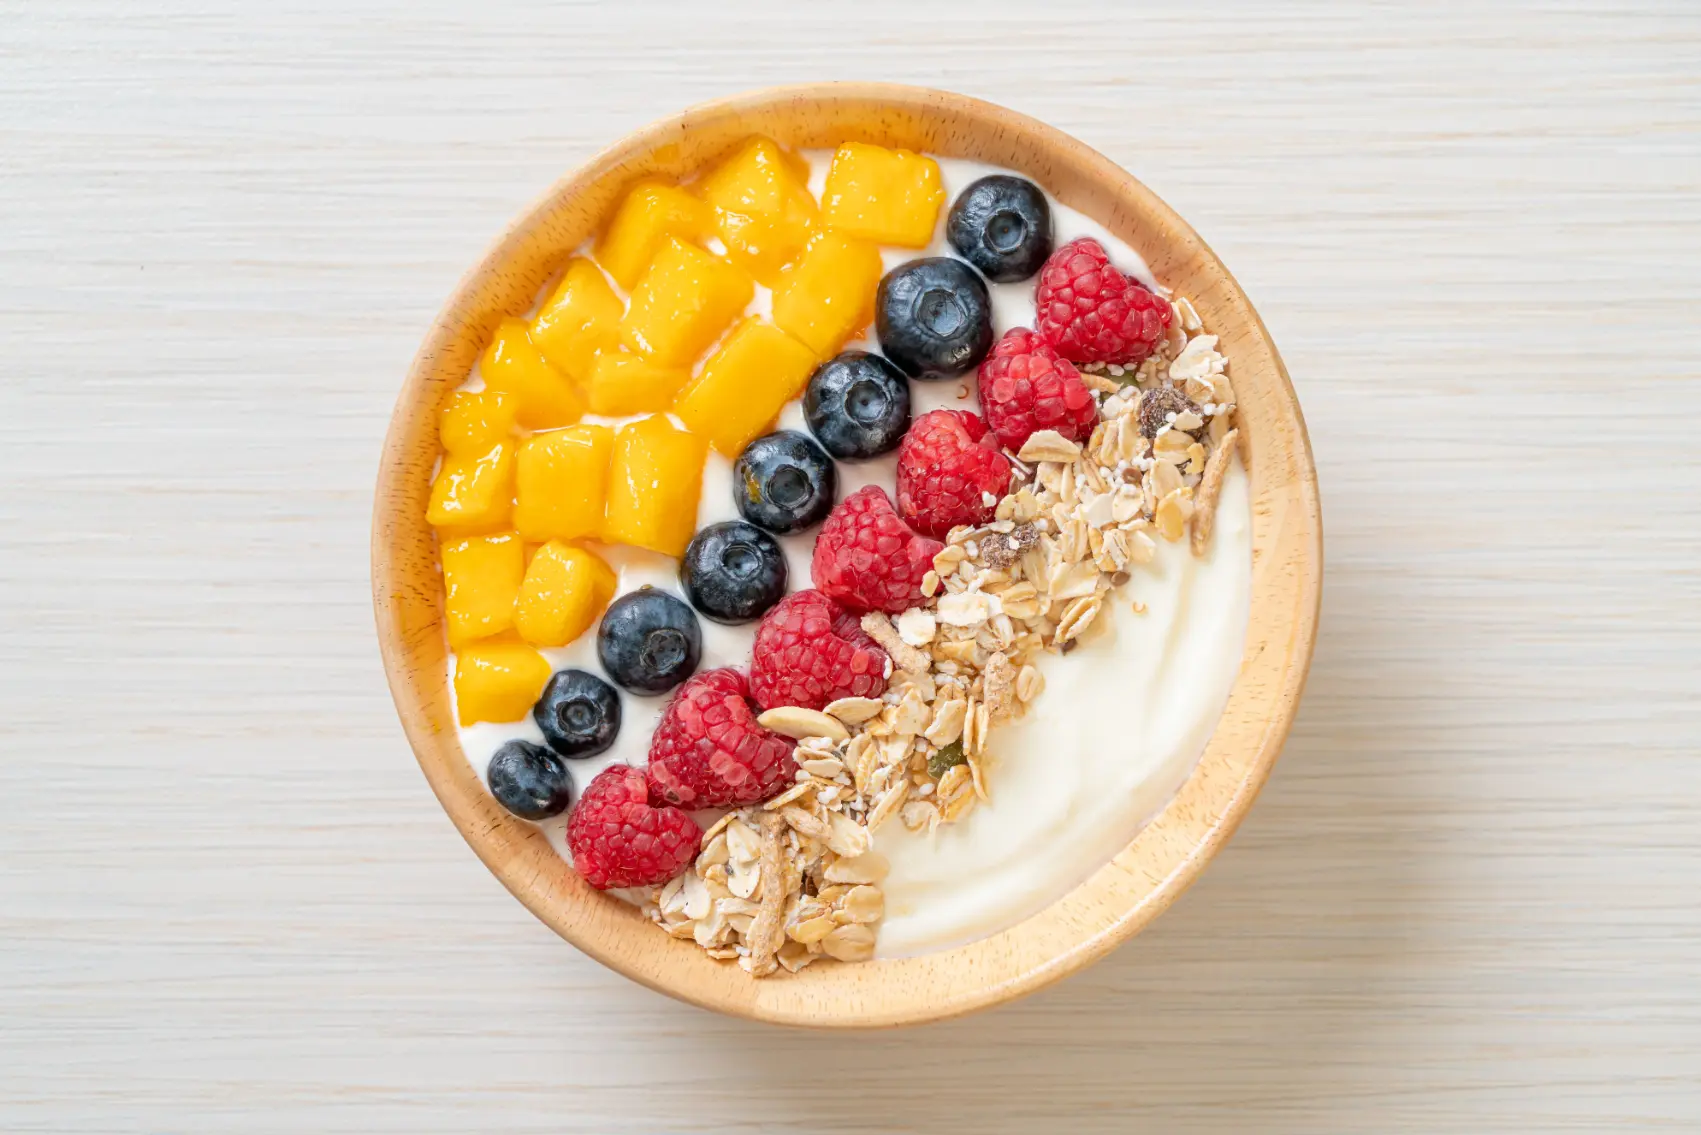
column 497, row 680
column 743, row 385
column 650, row 214
column 827, row 297
column 474, row 421
column 481, row 578
column 623, row 384
column 564, row 592
column 513, row 364
column 763, row 209
column 580, row 317
column 684, row 301
column 886, row 196
column 653, row 485
column 474, row 492
column 561, row 483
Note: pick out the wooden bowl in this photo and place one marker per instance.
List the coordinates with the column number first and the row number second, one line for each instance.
column 1122, row 896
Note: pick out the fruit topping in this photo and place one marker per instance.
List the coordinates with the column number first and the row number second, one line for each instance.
column 733, row 572
column 757, row 370
column 481, row 577
column 512, row 363
column 579, row 714
column 476, row 421
column 934, row 317
column 622, row 384
column 655, row 477
column 827, row 297
column 708, row 751
column 1001, row 225
column 857, row 405
column 884, row 196
column 474, row 492
column 561, row 483
column 529, row 781
column 1025, row 386
column 619, row 840
column 682, row 303
column 563, row 593
column 651, row 213
column 784, row 482
column 497, row 680
column 649, row 641
column 950, row 472
column 810, row 651
column 580, row 317
column 867, row 558
column 1161, row 405
column 1092, row 313
column 763, row 210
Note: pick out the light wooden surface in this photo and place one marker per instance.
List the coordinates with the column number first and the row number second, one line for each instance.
column 1467, row 901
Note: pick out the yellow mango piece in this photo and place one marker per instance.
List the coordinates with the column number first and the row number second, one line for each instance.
column 763, row 210
column 886, row 196
column 564, row 592
column 684, row 301
column 474, row 421
column 650, row 214
column 561, row 482
column 623, row 384
column 497, row 680
column 481, row 578
column 513, row 364
column 474, row 491
column 743, row 385
column 653, row 485
column 580, row 317
column 827, row 297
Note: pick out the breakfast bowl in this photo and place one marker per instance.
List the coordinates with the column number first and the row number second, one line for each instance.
column 1150, row 863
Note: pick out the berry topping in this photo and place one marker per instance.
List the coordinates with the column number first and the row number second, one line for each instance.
column 733, row 571
column 1025, row 387
column 857, row 405
column 619, row 840
column 810, row 651
column 934, row 317
column 708, row 751
column 579, row 714
column 1001, row 225
column 529, row 781
column 1159, row 403
column 649, row 641
column 950, row 472
column 784, row 482
column 1091, row 312
column 867, row 558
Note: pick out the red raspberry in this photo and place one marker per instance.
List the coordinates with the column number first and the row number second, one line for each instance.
column 708, row 751
column 945, row 464
column 1026, row 386
column 619, row 840
column 810, row 651
column 1091, row 312
column 867, row 558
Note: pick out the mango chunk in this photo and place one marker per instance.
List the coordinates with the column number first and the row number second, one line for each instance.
column 563, row 593
column 886, row 196
column 743, row 385
column 650, row 214
column 474, row 491
column 481, row 578
column 654, row 481
column 623, row 384
column 580, row 318
column 684, row 301
column 763, row 210
column 561, row 483
column 513, row 364
column 497, row 680
column 475, row 421
column 827, row 298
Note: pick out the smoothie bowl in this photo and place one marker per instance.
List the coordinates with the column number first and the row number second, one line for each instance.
column 848, row 556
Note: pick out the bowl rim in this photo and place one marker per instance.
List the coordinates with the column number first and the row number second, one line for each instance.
column 1127, row 895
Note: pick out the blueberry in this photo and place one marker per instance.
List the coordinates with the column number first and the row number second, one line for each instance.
column 858, row 405
column 1001, row 225
column 529, row 781
column 649, row 641
column 733, row 572
column 784, row 482
column 579, row 714
column 934, row 317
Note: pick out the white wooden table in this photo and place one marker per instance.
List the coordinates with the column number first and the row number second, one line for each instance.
column 1467, row 901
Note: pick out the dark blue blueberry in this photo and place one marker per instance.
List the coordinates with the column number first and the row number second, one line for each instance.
column 733, row 572
column 649, row 641
column 857, row 405
column 784, row 482
column 530, row 781
column 1001, row 225
column 579, row 714
column 934, row 317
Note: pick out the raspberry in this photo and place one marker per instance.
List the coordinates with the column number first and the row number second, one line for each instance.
column 946, row 463
column 810, row 651
column 619, row 840
column 1026, row 386
column 867, row 558
column 1091, row 312
column 708, row 751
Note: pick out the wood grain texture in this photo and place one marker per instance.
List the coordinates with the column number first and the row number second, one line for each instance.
column 1465, row 901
